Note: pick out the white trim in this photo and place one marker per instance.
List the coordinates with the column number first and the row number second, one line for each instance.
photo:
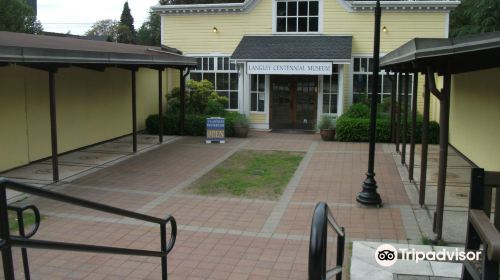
column 319, row 109
column 333, row 61
column 401, row 6
column 241, row 88
column 447, row 26
column 340, row 94
column 261, row 126
column 246, row 90
column 267, row 98
column 410, row 5
column 351, row 82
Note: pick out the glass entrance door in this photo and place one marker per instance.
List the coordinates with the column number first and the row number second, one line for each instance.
column 294, row 102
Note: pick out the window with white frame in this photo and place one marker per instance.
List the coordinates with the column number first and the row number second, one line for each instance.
column 223, row 75
column 331, row 92
column 362, row 81
column 257, row 93
column 297, row 16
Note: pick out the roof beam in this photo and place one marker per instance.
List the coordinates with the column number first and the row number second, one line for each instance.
column 93, row 67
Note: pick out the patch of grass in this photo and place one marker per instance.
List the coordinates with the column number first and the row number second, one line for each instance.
column 428, row 241
column 251, row 174
column 29, row 220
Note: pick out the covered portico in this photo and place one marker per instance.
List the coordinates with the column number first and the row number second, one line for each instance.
column 50, row 54
column 430, row 57
column 288, row 82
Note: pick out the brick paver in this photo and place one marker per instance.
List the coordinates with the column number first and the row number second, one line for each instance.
column 218, row 238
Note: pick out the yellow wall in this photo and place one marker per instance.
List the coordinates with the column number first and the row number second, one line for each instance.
column 192, row 33
column 254, row 118
column 91, row 107
column 474, row 115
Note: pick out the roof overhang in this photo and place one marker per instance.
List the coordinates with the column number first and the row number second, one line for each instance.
column 454, row 55
column 352, row 6
column 411, row 6
column 289, row 48
column 205, row 8
column 17, row 48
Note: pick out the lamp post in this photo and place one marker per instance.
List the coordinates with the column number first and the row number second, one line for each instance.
column 369, row 195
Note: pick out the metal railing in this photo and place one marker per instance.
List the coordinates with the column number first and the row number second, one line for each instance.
column 23, row 241
column 322, row 219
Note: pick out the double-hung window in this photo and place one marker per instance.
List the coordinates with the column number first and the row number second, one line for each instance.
column 222, row 73
column 331, row 92
column 257, row 93
column 297, row 16
column 362, row 81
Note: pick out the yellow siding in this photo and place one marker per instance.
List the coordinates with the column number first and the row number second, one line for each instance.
column 192, row 33
column 474, row 116
column 91, row 107
column 257, row 118
column 13, row 136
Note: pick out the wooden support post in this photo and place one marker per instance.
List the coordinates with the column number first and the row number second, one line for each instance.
column 425, row 142
column 182, row 101
column 405, row 117
column 53, row 124
column 134, row 111
column 394, row 80
column 444, row 119
column 398, row 116
column 413, row 126
column 160, row 105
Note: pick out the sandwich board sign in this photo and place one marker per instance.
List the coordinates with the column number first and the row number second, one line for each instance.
column 215, row 130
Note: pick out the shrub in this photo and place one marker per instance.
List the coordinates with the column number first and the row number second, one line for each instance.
column 356, row 130
column 241, row 121
column 194, row 124
column 198, row 96
column 327, row 122
column 358, row 110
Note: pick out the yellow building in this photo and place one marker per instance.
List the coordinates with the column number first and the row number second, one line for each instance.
column 284, row 63
column 91, row 99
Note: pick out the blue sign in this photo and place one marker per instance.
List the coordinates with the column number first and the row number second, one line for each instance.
column 215, row 130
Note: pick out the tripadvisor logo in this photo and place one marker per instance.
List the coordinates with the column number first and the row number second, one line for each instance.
column 387, row 255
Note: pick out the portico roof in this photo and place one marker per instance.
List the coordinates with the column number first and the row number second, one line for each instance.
column 294, row 48
column 44, row 50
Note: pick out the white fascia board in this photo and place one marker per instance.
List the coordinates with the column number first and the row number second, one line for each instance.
column 204, row 8
column 423, row 5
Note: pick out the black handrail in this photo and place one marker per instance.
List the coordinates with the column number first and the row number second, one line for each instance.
column 322, row 218
column 7, row 241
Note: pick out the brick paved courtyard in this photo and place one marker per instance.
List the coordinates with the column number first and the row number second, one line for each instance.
column 218, row 238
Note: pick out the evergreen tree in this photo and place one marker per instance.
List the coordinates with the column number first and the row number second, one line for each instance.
column 126, row 30
column 17, row 16
column 150, row 31
column 475, row 16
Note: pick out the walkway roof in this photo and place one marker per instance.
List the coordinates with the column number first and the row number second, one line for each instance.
column 44, row 50
column 453, row 55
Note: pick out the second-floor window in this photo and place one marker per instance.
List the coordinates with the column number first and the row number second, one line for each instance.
column 297, row 16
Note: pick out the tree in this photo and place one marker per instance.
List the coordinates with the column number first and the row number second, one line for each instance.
column 105, row 27
column 150, row 31
column 17, row 16
column 475, row 16
column 126, row 30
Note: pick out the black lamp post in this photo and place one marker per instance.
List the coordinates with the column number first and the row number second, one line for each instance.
column 369, row 195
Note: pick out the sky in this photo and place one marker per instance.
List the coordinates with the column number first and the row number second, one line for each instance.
column 77, row 16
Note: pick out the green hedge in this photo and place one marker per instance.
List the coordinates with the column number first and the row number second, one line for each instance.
column 356, row 130
column 195, row 124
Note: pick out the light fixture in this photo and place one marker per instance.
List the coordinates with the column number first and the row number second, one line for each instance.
column 215, row 30
column 384, row 29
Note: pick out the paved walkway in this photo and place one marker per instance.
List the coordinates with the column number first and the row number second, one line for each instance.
column 219, row 238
